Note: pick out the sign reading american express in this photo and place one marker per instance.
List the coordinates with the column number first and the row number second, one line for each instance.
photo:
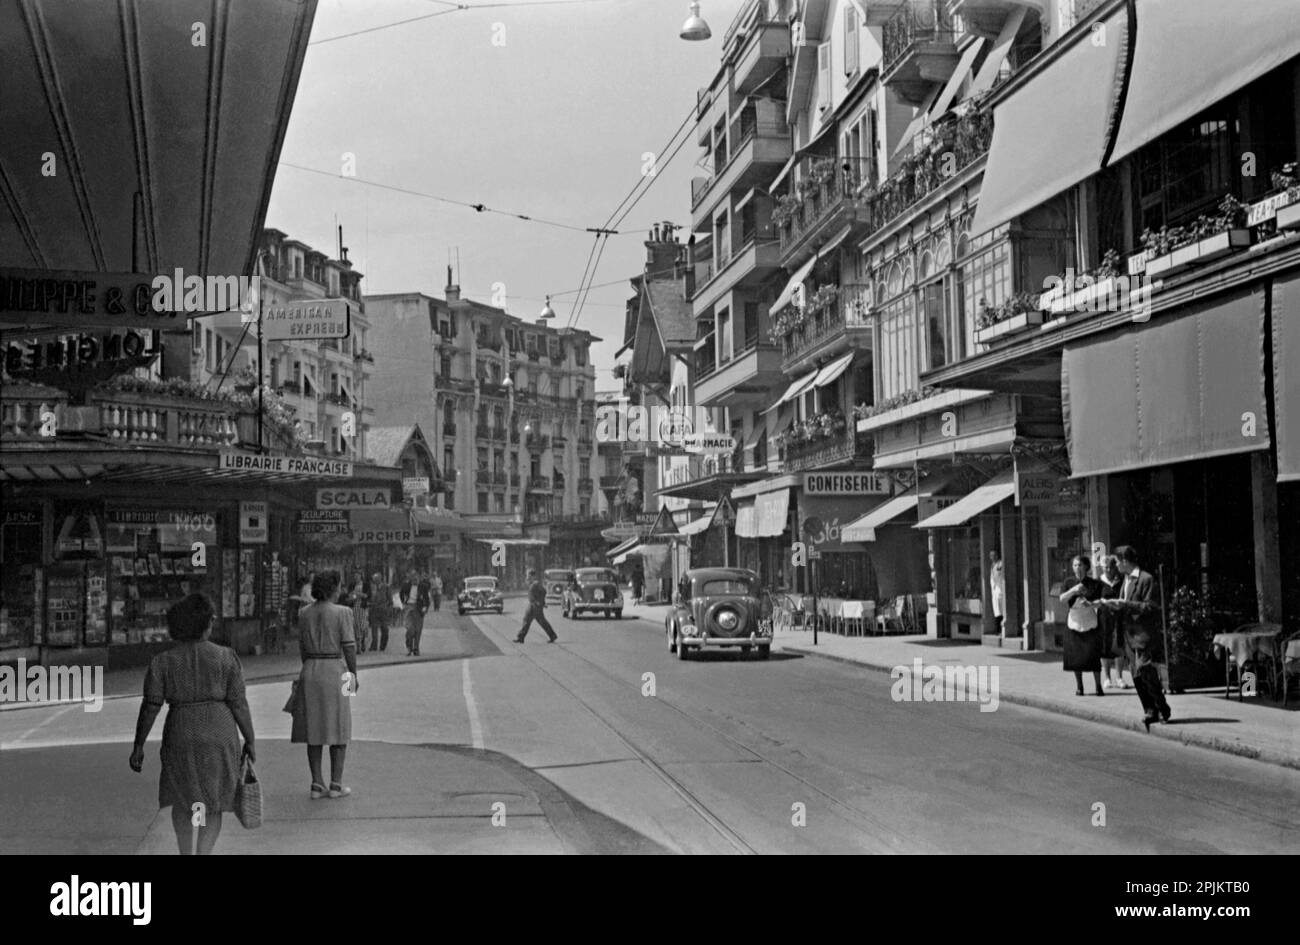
column 864, row 483
column 301, row 465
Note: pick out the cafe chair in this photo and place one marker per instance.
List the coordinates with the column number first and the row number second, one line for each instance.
column 891, row 615
column 853, row 618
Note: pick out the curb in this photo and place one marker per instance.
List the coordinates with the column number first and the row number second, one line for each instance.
column 1194, row 739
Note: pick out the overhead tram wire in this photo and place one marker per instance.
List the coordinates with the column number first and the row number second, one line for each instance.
column 455, row 8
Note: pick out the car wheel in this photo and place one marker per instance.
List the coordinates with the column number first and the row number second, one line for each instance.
column 764, row 650
column 672, row 642
column 460, row 611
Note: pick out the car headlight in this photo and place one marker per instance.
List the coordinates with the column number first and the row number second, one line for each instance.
column 727, row 619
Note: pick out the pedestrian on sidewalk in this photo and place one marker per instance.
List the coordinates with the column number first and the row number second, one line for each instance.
column 1113, row 659
column 359, row 602
column 1139, row 612
column 381, row 611
column 1082, row 638
column 997, row 588
column 536, row 609
column 415, row 603
column 203, row 686
column 326, row 685
column 435, row 591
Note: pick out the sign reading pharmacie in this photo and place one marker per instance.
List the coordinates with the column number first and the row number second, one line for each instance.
column 277, row 463
column 847, row 483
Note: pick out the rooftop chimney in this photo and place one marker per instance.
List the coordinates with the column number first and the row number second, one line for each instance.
column 452, row 291
column 661, row 252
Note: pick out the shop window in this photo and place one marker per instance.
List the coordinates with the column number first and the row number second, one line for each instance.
column 21, row 575
column 1188, row 170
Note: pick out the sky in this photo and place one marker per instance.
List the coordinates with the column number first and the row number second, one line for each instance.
column 539, row 108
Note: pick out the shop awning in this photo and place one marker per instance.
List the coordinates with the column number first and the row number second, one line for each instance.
column 619, row 558
column 988, row 72
column 1286, row 376
column 746, row 521
column 782, row 174
column 439, row 520
column 831, row 372
column 998, row 489
column 922, row 119
column 623, row 546
column 695, row 527
column 758, row 434
column 773, row 511
column 1168, row 391
column 787, row 294
column 864, row 528
column 1190, row 54
column 1052, row 132
column 944, row 101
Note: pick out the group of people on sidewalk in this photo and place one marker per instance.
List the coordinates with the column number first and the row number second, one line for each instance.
column 1112, row 621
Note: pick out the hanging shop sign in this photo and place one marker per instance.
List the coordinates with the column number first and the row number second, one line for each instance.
column 306, row 320
column 370, row 498
column 381, row 527
column 1038, row 489
column 418, row 485
column 68, row 354
column 254, row 529
column 709, row 444
column 299, row 465
column 929, row 505
column 847, row 484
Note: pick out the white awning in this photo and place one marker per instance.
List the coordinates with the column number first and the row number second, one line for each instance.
column 920, row 121
column 997, row 489
column 988, row 73
column 747, row 521
column 794, row 390
column 773, row 510
column 1190, row 54
column 759, row 434
column 945, row 99
column 787, row 294
column 695, row 527
column 831, row 372
column 620, row 558
column 864, row 528
column 1051, row 133
column 782, row 174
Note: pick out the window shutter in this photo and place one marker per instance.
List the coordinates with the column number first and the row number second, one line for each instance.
column 824, row 75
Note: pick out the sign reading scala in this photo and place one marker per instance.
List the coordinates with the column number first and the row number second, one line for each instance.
column 373, row 498
column 306, row 319
column 300, row 465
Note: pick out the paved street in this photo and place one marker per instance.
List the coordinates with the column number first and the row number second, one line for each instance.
column 793, row 755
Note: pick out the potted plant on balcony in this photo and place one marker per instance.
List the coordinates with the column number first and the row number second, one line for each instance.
column 1171, row 250
column 1286, row 183
column 1091, row 290
column 787, row 206
column 1019, row 312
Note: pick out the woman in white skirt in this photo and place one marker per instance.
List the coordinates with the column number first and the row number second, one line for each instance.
column 326, row 685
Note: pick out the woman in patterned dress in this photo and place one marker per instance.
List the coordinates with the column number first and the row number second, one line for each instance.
column 326, row 684
column 203, row 685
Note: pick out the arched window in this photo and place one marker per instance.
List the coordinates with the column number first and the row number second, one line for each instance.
column 927, row 264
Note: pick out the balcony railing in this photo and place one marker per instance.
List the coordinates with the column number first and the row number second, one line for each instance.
column 585, row 484
column 610, row 482
column 483, row 432
column 490, row 343
column 917, row 22
column 539, row 484
column 127, row 417
column 537, row 441
column 559, row 441
column 824, row 451
column 825, row 184
column 851, row 309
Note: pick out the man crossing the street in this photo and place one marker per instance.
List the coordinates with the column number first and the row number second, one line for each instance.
column 536, row 609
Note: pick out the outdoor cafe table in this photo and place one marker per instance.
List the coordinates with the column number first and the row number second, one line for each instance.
column 1244, row 645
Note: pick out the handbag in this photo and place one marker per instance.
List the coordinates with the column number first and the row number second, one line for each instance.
column 248, row 797
column 1082, row 617
column 397, row 600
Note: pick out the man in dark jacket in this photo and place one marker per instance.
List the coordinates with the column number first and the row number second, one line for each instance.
column 536, row 609
column 1139, row 616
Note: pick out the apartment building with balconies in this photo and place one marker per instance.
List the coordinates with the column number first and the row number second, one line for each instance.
column 323, row 382
column 510, row 404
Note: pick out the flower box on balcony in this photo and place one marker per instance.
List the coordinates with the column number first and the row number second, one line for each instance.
column 1009, row 326
column 1057, row 302
column 1288, row 218
column 1201, row 251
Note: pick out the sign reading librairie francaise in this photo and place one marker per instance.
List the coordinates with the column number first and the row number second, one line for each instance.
column 297, row 465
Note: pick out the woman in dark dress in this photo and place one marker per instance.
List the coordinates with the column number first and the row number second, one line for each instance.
column 1082, row 638
column 203, row 686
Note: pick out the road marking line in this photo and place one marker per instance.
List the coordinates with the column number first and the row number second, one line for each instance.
column 36, row 728
column 471, row 707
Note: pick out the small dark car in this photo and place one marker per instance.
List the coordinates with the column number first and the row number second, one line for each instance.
column 480, row 593
column 556, row 580
column 593, row 590
column 720, row 607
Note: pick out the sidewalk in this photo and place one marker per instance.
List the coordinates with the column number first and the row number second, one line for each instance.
column 1252, row 728
column 272, row 667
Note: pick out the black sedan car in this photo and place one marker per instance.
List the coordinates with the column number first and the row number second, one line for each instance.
column 717, row 608
column 556, row 580
column 480, row 593
column 593, row 590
